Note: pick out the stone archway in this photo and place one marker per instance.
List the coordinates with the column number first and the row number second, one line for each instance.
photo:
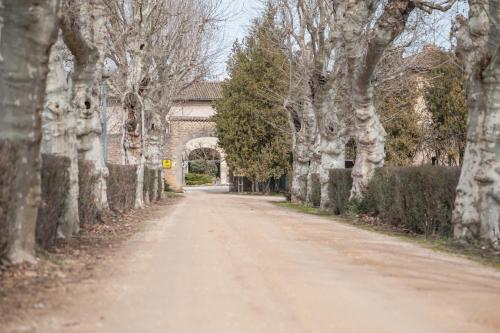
column 189, row 126
column 210, row 143
column 185, row 135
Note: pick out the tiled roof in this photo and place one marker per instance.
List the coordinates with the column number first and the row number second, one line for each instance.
column 201, row 91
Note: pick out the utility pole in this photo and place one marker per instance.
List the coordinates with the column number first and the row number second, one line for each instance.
column 104, row 112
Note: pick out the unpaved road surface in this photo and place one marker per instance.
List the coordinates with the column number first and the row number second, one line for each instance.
column 224, row 263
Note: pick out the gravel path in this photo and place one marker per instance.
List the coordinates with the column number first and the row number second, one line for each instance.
column 225, row 263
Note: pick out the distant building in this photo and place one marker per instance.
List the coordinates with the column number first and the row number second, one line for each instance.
column 190, row 129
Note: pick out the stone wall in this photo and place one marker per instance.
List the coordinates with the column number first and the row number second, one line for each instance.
column 181, row 131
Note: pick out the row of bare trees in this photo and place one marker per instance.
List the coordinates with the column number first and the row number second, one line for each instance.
column 335, row 48
column 156, row 47
column 54, row 56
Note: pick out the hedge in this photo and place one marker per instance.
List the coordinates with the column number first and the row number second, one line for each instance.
column 55, row 189
column 339, row 190
column 149, row 184
column 315, row 195
column 415, row 199
column 121, row 187
column 193, row 179
column 9, row 154
column 88, row 211
column 419, row 200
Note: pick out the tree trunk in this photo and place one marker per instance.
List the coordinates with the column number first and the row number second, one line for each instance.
column 84, row 33
column 154, row 146
column 27, row 31
column 370, row 133
column 370, row 153
column 139, row 193
column 333, row 129
column 311, row 141
column 300, row 171
column 134, row 142
column 134, row 137
column 314, row 170
column 303, row 137
column 161, row 193
column 333, row 157
column 477, row 207
column 59, row 134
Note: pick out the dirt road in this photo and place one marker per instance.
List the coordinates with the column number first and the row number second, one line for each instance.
column 225, row 263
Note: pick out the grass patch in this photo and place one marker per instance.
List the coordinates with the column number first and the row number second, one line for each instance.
column 260, row 194
column 174, row 195
column 477, row 252
column 301, row 208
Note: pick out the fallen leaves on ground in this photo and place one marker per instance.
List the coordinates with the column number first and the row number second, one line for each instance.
column 28, row 286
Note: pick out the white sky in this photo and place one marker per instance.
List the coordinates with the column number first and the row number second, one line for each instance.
column 240, row 15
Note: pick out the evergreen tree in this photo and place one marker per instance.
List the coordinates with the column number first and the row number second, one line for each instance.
column 251, row 124
column 445, row 99
column 396, row 101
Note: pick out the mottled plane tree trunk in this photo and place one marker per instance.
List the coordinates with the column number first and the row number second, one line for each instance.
column 59, row 133
column 83, row 30
column 477, row 208
column 364, row 47
column 334, row 129
column 367, row 29
column 154, row 144
column 313, row 139
column 133, row 143
column 28, row 29
column 309, row 27
column 303, row 125
column 157, row 45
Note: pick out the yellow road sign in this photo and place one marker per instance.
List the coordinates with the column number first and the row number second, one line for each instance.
column 167, row 164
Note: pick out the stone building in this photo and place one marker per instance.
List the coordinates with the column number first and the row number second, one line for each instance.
column 190, row 128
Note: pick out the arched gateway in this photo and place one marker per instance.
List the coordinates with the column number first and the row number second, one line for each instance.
column 191, row 129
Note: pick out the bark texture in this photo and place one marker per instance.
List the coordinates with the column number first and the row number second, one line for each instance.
column 331, row 109
column 304, row 134
column 477, row 207
column 313, row 146
column 334, row 134
column 28, row 29
column 59, row 134
column 362, row 59
column 83, row 27
column 134, row 141
column 317, row 68
column 154, row 146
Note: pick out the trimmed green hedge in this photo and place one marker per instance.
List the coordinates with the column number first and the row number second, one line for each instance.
column 150, row 181
column 87, row 207
column 339, row 190
column 419, row 200
column 315, row 195
column 121, row 187
column 416, row 199
column 55, row 189
column 10, row 154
